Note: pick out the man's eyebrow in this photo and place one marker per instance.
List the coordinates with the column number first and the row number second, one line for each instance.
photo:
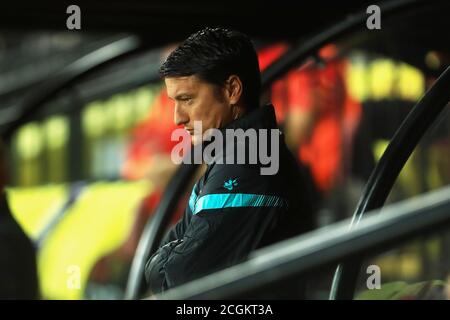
column 182, row 96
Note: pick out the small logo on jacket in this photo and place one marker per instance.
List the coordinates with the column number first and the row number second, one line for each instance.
column 230, row 184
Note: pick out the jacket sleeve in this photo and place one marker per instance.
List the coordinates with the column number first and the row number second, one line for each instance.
column 153, row 274
column 229, row 219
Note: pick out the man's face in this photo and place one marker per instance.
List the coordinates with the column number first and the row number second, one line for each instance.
column 196, row 100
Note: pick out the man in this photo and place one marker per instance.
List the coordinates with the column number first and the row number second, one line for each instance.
column 213, row 77
column 18, row 277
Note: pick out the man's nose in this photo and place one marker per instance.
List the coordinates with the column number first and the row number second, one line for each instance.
column 180, row 116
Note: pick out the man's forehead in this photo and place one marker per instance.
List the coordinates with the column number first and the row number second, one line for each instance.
column 181, row 83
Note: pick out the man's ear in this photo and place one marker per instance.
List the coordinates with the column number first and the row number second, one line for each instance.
column 234, row 89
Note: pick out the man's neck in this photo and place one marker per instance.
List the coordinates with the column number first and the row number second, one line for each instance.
column 239, row 111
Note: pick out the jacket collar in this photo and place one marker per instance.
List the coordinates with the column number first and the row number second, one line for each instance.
column 260, row 118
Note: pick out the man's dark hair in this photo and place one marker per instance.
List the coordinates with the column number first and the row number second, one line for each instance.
column 213, row 54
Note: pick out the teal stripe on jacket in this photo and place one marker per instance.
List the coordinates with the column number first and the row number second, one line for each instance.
column 235, row 200
column 192, row 199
